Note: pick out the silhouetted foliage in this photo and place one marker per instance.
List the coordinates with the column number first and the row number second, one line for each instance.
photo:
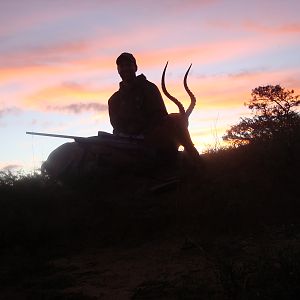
column 275, row 116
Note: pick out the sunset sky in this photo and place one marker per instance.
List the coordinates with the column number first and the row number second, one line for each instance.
column 57, row 63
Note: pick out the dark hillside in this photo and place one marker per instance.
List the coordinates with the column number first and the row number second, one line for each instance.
column 227, row 231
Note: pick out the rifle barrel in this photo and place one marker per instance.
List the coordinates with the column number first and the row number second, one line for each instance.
column 54, row 135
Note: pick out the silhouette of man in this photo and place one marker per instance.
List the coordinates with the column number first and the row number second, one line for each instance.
column 135, row 110
column 137, row 107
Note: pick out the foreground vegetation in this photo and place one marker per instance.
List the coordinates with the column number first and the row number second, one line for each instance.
column 240, row 213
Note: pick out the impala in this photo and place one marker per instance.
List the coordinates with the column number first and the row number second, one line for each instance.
column 173, row 132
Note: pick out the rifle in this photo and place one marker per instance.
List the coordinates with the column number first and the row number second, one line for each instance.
column 102, row 137
column 73, row 137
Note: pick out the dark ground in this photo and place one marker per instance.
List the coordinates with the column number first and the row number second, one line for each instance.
column 229, row 231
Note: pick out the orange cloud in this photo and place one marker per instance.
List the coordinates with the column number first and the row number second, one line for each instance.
column 65, row 94
column 287, row 28
column 46, row 54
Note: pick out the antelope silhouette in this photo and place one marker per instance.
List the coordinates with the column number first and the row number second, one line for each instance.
column 173, row 132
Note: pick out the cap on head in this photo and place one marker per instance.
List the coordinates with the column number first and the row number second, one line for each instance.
column 125, row 56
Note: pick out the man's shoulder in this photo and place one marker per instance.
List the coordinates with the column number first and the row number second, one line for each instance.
column 143, row 81
column 115, row 96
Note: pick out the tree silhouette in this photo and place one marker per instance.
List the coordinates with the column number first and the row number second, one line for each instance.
column 275, row 116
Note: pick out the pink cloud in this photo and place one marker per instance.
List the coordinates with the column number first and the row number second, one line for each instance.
column 31, row 14
column 89, row 54
column 208, row 52
column 36, row 56
column 85, row 57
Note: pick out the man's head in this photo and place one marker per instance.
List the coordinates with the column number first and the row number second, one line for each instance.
column 127, row 66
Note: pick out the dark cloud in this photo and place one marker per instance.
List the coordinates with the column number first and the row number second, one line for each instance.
column 248, row 72
column 73, row 85
column 78, row 108
column 9, row 111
